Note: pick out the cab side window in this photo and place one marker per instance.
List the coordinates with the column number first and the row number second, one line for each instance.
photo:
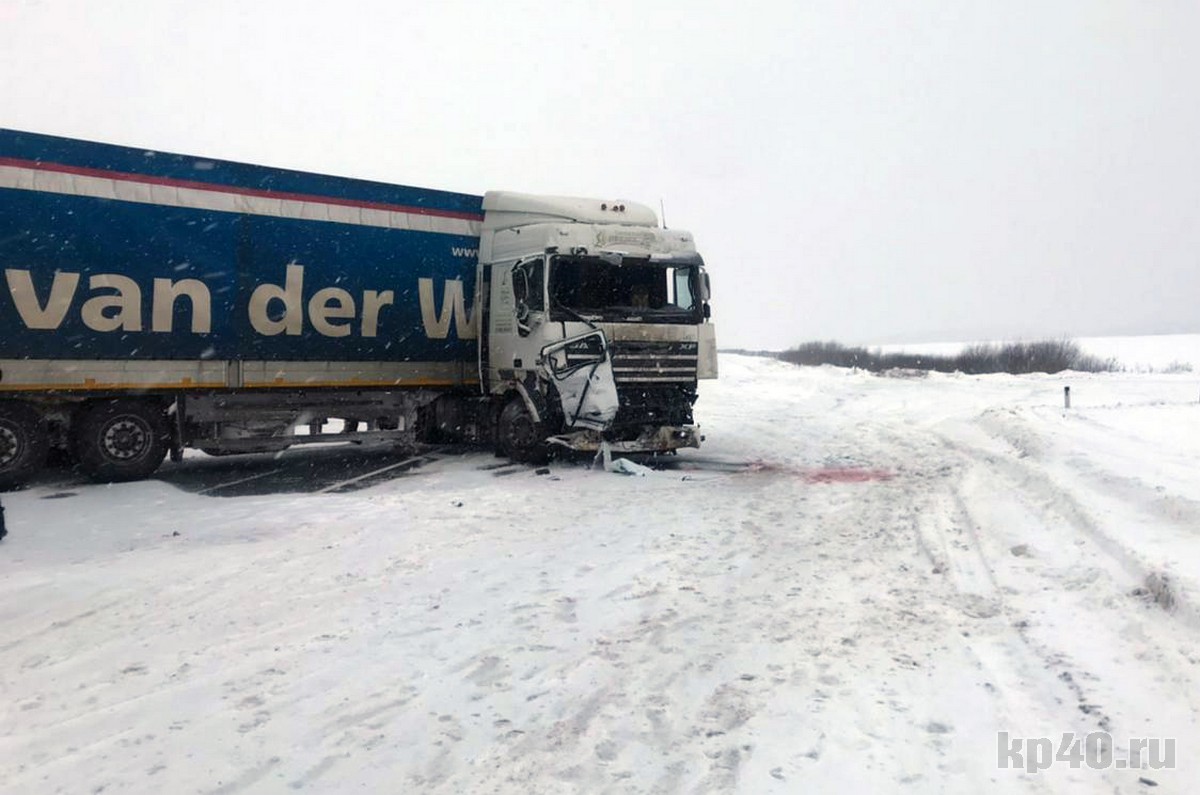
column 529, row 284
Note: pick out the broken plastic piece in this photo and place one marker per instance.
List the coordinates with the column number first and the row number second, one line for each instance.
column 623, row 466
column 603, row 459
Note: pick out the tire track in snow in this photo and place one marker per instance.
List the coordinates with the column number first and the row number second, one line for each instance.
column 1036, row 681
column 1061, row 561
column 1033, row 484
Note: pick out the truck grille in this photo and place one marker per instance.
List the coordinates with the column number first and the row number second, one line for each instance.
column 654, row 404
column 645, row 362
column 656, row 382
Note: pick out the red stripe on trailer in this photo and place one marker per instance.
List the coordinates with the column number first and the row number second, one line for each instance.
column 208, row 186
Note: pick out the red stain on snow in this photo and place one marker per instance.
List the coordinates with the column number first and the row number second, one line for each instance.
column 845, row 475
column 825, row 474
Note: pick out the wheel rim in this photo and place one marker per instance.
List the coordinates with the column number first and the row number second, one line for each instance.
column 521, row 433
column 10, row 445
column 125, row 438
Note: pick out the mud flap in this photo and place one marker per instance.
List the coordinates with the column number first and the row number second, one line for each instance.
column 582, row 373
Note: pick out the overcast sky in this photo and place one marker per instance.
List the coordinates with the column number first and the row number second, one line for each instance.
column 870, row 171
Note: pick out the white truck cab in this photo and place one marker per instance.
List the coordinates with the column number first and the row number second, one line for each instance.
column 595, row 325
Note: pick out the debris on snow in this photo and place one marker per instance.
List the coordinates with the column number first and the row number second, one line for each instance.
column 623, row 466
column 1157, row 589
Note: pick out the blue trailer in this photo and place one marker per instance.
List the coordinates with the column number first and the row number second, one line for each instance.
column 155, row 301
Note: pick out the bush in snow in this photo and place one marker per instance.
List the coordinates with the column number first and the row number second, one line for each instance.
column 1177, row 366
column 1048, row 356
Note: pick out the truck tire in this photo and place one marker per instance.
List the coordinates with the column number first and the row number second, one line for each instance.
column 425, row 429
column 123, row 439
column 519, row 437
column 23, row 442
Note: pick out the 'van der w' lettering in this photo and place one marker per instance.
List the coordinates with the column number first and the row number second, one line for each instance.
column 113, row 302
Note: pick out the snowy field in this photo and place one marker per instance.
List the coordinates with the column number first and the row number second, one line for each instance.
column 853, row 587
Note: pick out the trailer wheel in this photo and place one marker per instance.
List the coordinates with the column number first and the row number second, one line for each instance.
column 519, row 437
column 24, row 442
column 121, row 439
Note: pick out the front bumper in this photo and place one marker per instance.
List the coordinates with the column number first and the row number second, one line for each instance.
column 653, row 440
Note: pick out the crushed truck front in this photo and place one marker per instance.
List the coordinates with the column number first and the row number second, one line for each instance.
column 598, row 322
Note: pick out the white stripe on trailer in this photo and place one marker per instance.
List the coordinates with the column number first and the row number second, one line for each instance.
column 18, row 375
column 46, row 180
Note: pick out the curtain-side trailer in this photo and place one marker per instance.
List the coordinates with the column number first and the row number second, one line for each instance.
column 153, row 302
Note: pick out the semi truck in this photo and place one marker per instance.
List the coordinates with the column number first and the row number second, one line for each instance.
column 154, row 302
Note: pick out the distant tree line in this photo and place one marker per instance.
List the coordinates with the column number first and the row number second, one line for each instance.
column 1047, row 356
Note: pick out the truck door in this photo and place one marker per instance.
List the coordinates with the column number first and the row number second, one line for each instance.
column 516, row 317
column 582, row 373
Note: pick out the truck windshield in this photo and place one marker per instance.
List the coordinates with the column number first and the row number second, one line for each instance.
column 631, row 290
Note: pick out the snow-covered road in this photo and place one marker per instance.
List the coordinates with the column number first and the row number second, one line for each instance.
column 853, row 587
